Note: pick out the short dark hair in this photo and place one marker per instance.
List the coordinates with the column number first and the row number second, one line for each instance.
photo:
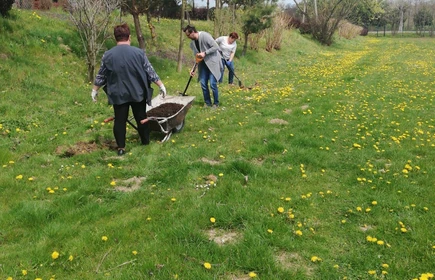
column 190, row 29
column 121, row 32
column 234, row 35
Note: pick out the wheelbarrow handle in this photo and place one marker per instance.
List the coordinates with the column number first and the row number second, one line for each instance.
column 148, row 119
column 109, row 119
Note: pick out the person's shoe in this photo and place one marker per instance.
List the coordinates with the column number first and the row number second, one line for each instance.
column 121, row 152
column 206, row 106
column 215, row 106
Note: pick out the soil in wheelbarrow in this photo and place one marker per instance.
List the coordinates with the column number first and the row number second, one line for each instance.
column 164, row 110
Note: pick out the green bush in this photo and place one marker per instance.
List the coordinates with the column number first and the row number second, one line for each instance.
column 5, row 7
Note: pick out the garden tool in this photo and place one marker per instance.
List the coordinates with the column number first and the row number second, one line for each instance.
column 198, row 59
column 240, row 82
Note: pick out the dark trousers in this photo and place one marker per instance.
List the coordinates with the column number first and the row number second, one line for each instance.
column 120, row 124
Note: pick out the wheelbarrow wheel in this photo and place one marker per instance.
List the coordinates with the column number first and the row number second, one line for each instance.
column 179, row 127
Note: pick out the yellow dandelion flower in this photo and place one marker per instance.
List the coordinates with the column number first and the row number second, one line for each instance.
column 368, row 210
column 213, row 220
column 385, row 265
column 343, row 221
column 221, row 174
column 207, row 265
column 24, row 272
column 359, row 209
column 374, row 202
column 252, row 274
column 134, row 253
column 384, row 272
column 173, row 199
column 19, row 177
column 71, row 258
column 315, row 259
column 298, row 233
column 54, row 255
column 104, row 238
column 403, row 230
column 270, row 231
column 372, row 272
column 380, row 242
column 280, row 209
column 336, row 266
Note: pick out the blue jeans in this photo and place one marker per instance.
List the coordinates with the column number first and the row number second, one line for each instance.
column 204, row 76
column 230, row 66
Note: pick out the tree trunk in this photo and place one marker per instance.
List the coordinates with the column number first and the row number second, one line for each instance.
column 208, row 9
column 139, row 35
column 151, row 26
column 401, row 20
column 216, row 19
column 180, row 46
column 245, row 45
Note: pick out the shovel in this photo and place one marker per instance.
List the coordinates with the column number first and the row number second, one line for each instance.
column 240, row 82
column 198, row 59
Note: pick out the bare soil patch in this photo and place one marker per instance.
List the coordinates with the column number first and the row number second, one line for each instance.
column 222, row 237
column 130, row 185
column 84, row 148
column 278, row 121
column 293, row 261
column 209, row 161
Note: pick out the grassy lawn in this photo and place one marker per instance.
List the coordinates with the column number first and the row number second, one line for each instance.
column 319, row 167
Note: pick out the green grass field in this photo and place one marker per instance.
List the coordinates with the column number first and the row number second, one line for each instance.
column 320, row 167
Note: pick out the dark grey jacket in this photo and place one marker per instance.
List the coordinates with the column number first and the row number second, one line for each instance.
column 213, row 58
column 126, row 74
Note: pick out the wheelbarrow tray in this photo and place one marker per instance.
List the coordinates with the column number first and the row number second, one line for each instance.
column 172, row 123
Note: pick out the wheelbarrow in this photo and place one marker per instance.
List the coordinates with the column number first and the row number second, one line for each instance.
column 165, row 124
column 169, row 124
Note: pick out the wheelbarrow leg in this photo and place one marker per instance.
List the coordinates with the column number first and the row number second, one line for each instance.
column 130, row 123
column 168, row 135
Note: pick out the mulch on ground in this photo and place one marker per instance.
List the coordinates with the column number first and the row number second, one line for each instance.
column 165, row 110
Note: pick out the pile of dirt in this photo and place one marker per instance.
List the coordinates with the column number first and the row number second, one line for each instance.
column 164, row 110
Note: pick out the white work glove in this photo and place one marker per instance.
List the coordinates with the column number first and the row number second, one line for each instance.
column 162, row 90
column 94, row 95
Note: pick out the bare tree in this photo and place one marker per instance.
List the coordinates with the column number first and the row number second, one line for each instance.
column 92, row 19
column 324, row 16
column 137, row 8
